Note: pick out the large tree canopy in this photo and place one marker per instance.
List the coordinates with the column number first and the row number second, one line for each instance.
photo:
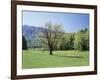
column 82, row 40
column 50, row 36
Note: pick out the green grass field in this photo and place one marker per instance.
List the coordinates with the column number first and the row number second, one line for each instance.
column 42, row 59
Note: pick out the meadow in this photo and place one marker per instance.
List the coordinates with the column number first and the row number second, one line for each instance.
column 64, row 58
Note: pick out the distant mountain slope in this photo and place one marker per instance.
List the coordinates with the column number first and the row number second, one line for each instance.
column 31, row 33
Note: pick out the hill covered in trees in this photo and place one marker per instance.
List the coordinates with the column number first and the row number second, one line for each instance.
column 30, row 33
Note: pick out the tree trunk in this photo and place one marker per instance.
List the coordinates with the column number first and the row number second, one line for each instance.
column 51, row 52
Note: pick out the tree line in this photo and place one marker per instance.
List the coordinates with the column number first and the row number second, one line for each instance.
column 54, row 38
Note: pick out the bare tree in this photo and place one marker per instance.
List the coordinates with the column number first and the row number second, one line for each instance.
column 50, row 35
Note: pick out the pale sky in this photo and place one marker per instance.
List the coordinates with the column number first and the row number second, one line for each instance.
column 72, row 22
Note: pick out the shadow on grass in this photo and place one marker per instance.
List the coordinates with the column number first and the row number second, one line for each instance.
column 70, row 56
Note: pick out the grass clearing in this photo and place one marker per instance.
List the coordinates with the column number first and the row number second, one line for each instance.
column 42, row 59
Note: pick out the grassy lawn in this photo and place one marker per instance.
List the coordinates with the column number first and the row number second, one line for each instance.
column 42, row 59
